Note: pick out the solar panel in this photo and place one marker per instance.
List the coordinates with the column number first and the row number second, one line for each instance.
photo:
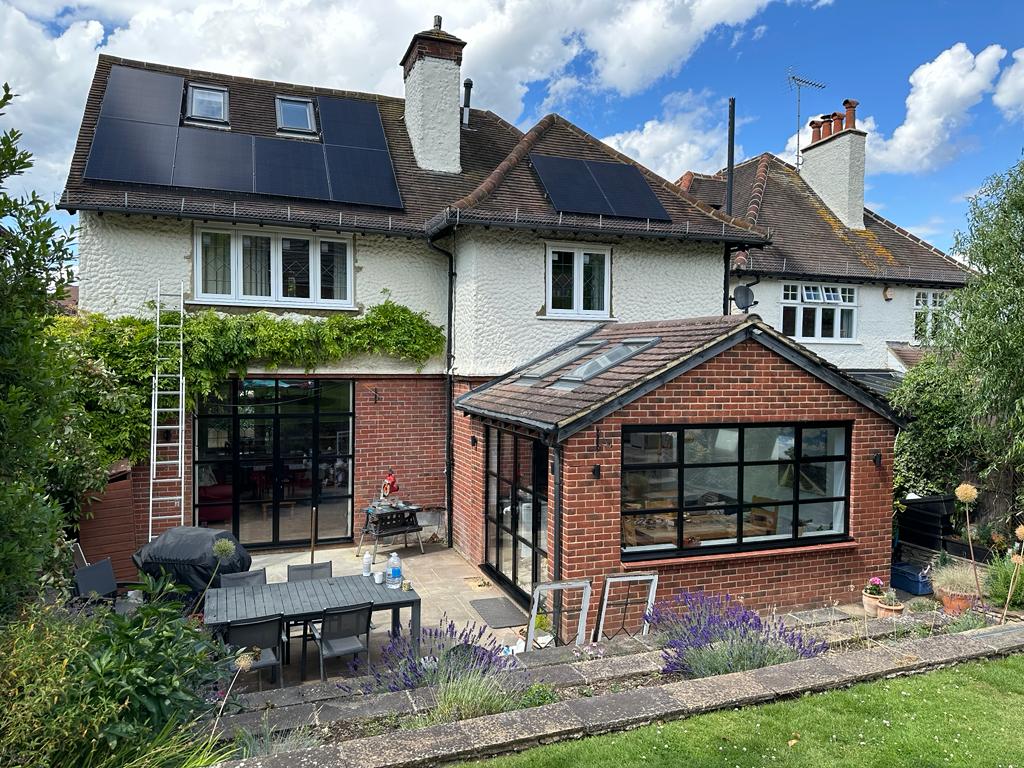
column 124, row 150
column 211, row 159
column 138, row 94
column 290, row 168
column 570, row 185
column 351, row 123
column 362, row 176
column 627, row 191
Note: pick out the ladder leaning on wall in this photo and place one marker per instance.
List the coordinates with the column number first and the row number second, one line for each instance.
column 167, row 414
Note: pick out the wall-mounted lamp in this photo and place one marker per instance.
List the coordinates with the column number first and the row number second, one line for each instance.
column 473, row 440
column 596, row 471
column 876, row 458
column 887, row 293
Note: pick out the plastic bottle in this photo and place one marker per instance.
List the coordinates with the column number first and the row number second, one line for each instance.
column 394, row 572
column 367, row 564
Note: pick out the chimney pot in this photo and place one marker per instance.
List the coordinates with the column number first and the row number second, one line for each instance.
column 837, row 122
column 467, row 86
column 851, row 113
column 826, row 126
column 437, row 23
column 815, row 131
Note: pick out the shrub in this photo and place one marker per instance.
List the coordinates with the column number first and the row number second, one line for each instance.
column 997, row 583
column 461, row 695
column 713, row 634
column 954, row 578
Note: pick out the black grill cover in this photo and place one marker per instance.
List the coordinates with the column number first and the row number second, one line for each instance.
column 186, row 554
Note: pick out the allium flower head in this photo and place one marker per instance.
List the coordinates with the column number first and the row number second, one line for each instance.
column 966, row 493
column 244, row 661
column 223, row 549
column 1020, row 532
column 1017, row 559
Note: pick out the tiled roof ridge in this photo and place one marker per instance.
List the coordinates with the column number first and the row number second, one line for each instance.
column 684, row 181
column 665, row 183
column 758, row 187
column 914, row 239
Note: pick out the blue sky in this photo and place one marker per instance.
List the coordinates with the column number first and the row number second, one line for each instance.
column 941, row 92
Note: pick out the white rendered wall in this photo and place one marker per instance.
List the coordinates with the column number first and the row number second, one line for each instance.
column 121, row 258
column 500, row 294
column 878, row 321
column 432, row 114
column 834, row 168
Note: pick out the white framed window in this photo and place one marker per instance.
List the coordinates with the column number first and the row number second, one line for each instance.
column 927, row 314
column 268, row 268
column 819, row 312
column 578, row 280
column 295, row 115
column 208, row 103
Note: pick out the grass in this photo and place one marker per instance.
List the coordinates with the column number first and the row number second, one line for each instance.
column 969, row 715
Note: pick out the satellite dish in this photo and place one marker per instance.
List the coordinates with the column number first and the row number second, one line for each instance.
column 743, row 297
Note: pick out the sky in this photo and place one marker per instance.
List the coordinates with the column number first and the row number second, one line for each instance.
column 940, row 84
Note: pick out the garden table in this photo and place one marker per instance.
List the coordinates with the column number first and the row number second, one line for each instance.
column 300, row 601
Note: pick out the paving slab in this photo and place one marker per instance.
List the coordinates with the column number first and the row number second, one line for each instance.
column 616, row 667
column 815, row 617
column 276, row 719
column 942, row 649
column 708, row 693
column 522, row 728
column 1005, row 639
column 870, row 663
column 616, row 711
column 559, row 675
column 423, row 746
column 799, row 676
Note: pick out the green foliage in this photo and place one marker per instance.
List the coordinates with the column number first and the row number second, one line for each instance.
column 737, row 654
column 537, row 695
column 997, row 582
column 265, row 742
column 965, row 621
column 90, row 687
column 471, row 694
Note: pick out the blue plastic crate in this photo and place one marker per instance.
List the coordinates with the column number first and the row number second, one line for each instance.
column 908, row 577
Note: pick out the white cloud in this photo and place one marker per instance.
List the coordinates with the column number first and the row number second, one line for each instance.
column 936, row 225
column 691, row 135
column 965, row 196
column 759, row 31
column 942, row 93
column 1009, row 95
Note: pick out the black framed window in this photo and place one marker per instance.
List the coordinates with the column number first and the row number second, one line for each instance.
column 691, row 489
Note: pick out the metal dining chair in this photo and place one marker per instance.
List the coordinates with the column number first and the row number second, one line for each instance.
column 341, row 633
column 307, row 572
column 265, row 635
column 244, row 579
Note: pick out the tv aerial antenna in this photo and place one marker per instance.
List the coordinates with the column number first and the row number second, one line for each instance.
column 796, row 82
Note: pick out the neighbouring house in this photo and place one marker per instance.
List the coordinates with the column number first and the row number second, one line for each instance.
column 310, row 202
column 839, row 278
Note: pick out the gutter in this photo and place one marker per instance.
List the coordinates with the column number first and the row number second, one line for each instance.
column 846, row 278
column 449, row 378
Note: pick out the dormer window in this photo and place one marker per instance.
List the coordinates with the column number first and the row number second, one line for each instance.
column 207, row 103
column 295, row 115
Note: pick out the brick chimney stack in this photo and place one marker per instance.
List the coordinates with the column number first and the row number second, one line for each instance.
column 833, row 164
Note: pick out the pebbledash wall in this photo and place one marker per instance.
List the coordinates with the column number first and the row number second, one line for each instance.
column 747, row 384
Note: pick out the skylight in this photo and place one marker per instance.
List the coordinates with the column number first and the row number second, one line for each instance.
column 546, row 367
column 622, row 351
column 208, row 103
column 295, row 115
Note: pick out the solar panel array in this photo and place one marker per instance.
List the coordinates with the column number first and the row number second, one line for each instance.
column 598, row 188
column 139, row 139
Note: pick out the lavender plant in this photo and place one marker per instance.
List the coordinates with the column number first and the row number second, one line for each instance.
column 706, row 634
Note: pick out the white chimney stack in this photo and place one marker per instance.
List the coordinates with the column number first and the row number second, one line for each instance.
column 432, row 82
column 833, row 164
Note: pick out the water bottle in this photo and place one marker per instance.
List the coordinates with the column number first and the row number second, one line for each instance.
column 367, row 564
column 394, row 572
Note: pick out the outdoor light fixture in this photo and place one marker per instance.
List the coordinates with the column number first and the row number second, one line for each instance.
column 473, row 440
column 596, row 471
column 876, row 457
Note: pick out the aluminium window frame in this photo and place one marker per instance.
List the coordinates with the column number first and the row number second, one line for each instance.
column 276, row 298
column 190, row 115
column 662, row 551
column 818, row 304
column 578, row 250
column 288, row 130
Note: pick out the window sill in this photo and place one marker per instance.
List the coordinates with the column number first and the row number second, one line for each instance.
column 578, row 318
column 830, row 342
column 230, row 302
column 810, row 549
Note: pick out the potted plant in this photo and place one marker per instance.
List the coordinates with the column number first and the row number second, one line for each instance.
column 889, row 605
column 870, row 596
column 954, row 584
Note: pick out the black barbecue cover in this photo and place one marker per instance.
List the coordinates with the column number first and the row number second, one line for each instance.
column 186, row 554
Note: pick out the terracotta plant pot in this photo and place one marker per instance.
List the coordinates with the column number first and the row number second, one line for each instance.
column 870, row 604
column 890, row 611
column 955, row 603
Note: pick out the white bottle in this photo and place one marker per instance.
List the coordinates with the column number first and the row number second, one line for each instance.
column 394, row 572
column 367, row 564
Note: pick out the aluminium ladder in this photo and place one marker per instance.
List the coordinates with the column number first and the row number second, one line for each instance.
column 167, row 413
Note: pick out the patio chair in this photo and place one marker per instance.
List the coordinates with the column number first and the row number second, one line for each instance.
column 306, row 572
column 340, row 633
column 254, row 578
column 266, row 636
column 80, row 559
column 96, row 583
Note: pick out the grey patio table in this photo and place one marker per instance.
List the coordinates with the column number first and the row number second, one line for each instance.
column 306, row 600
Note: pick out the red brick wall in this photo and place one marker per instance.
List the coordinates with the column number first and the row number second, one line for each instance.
column 745, row 384
column 400, row 423
column 468, row 506
column 140, row 491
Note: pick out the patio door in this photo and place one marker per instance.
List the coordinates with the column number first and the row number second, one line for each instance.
column 268, row 451
column 517, row 511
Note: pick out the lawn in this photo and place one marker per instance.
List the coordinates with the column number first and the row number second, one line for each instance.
column 969, row 715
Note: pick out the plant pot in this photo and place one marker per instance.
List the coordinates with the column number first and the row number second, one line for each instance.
column 890, row 611
column 870, row 603
column 955, row 603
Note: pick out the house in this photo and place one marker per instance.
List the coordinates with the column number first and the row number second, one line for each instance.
column 839, row 278
column 309, row 202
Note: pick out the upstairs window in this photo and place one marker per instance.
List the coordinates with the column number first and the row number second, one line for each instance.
column 208, row 103
column 295, row 115
column 927, row 314
column 578, row 281
column 819, row 312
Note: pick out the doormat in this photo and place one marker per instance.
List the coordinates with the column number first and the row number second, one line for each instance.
column 499, row 612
